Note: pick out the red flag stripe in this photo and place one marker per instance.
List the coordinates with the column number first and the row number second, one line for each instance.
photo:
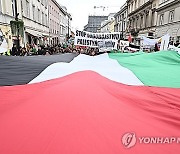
column 86, row 113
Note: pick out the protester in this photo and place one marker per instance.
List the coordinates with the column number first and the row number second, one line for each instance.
column 156, row 47
column 33, row 49
column 177, row 43
column 14, row 50
column 23, row 53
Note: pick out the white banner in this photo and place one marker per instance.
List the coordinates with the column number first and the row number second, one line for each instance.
column 97, row 40
column 3, row 43
column 148, row 43
column 122, row 44
column 165, row 42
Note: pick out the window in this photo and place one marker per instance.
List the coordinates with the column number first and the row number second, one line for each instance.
column 60, row 29
column 46, row 23
column 171, row 16
column 39, row 15
column 42, row 18
column 22, row 7
column 124, row 27
column 36, row 14
column 46, row 3
column 135, row 4
column 50, row 24
column 33, row 12
column 122, row 16
column 27, row 9
column 42, row 2
column 161, row 19
column 141, row 23
column 0, row 7
column 146, row 22
column 118, row 18
column 13, row 7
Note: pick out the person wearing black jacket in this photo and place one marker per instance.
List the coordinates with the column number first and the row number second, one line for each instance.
column 14, row 50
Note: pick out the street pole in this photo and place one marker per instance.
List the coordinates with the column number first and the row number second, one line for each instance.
column 68, row 26
column 16, row 18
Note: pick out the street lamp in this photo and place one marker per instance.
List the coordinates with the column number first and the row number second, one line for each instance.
column 16, row 18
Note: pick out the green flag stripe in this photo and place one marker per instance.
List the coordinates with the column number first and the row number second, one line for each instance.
column 160, row 69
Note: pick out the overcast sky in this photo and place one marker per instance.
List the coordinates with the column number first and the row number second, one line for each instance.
column 80, row 9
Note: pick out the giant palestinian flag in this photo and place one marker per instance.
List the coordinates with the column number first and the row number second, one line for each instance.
column 117, row 103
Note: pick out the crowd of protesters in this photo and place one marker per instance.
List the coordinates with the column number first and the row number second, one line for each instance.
column 33, row 49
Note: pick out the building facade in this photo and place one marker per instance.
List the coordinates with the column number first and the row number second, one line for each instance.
column 68, row 24
column 106, row 25
column 111, row 26
column 168, row 19
column 54, row 22
column 45, row 21
column 7, row 13
column 94, row 23
column 63, row 23
column 35, row 17
column 142, row 17
column 121, row 21
column 59, row 23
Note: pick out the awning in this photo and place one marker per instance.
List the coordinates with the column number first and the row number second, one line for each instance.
column 34, row 33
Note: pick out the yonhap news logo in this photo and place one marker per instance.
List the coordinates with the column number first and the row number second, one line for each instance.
column 130, row 139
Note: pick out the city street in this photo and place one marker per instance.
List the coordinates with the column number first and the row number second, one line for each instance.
column 89, row 77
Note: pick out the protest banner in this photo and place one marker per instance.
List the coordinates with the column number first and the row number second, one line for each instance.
column 163, row 42
column 97, row 40
column 122, row 44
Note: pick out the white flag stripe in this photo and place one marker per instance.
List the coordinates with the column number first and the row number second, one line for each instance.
column 101, row 64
